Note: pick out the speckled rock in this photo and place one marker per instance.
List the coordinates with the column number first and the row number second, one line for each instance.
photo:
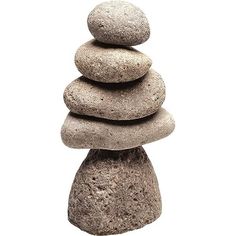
column 118, row 22
column 114, row 192
column 89, row 132
column 111, row 64
column 125, row 101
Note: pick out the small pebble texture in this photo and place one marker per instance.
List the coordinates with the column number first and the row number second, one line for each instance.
column 111, row 64
column 118, row 22
column 114, row 192
column 89, row 132
column 124, row 101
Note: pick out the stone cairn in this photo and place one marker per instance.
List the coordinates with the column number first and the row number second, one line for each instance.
column 115, row 108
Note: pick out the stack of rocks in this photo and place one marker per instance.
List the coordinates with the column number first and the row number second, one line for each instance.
column 115, row 107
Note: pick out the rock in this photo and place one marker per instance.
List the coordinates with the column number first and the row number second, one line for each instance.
column 111, row 64
column 89, row 132
column 118, row 22
column 126, row 101
column 114, row 192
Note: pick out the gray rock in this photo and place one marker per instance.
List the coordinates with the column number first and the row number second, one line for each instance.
column 118, row 22
column 114, row 192
column 111, row 64
column 125, row 101
column 89, row 132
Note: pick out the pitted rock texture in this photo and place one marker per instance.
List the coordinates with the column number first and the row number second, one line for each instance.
column 126, row 101
column 89, row 132
column 114, row 192
column 111, row 64
column 118, row 22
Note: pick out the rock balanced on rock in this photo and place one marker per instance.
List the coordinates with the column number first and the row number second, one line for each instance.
column 115, row 108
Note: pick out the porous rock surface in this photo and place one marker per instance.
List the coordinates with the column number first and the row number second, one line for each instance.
column 118, row 22
column 111, row 64
column 124, row 101
column 114, row 192
column 89, row 132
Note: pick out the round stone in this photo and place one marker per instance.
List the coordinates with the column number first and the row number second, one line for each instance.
column 125, row 101
column 111, row 64
column 118, row 22
column 89, row 132
column 114, row 192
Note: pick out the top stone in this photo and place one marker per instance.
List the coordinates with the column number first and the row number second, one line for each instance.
column 119, row 23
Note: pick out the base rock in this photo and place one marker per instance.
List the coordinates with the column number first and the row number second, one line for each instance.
column 114, row 192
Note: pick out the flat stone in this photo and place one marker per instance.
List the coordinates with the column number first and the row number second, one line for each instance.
column 114, row 192
column 111, row 64
column 126, row 101
column 118, row 22
column 89, row 132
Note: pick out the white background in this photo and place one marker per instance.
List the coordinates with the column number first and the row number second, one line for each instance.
column 192, row 45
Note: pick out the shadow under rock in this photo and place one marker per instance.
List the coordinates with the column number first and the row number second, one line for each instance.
column 112, row 46
column 115, row 122
column 112, row 86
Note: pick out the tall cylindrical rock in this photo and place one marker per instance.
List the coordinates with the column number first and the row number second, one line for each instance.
column 114, row 192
